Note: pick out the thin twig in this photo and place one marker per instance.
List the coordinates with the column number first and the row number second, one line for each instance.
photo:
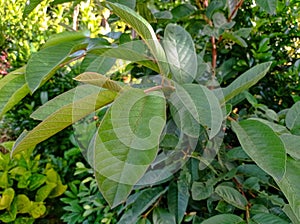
column 235, row 10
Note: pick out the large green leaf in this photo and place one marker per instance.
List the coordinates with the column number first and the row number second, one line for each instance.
column 97, row 63
column 202, row 104
column 13, row 88
column 43, row 64
column 290, row 213
column 246, row 80
column 292, row 118
column 232, row 196
column 262, row 144
column 181, row 54
column 269, row 6
column 127, row 139
column 96, row 79
column 63, row 117
column 129, row 3
column 290, row 183
column 266, row 218
column 144, row 29
column 292, row 145
column 140, row 202
column 223, row 219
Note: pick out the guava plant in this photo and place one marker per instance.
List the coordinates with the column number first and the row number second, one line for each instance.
column 154, row 140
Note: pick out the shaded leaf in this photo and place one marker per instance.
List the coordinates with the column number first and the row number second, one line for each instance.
column 292, row 145
column 289, row 212
column 13, row 88
column 292, row 118
column 201, row 191
column 223, row 219
column 269, row 6
column 266, row 218
column 64, row 117
column 183, row 10
column 97, row 63
column 232, row 196
column 181, row 54
column 161, row 216
column 267, row 152
column 246, row 80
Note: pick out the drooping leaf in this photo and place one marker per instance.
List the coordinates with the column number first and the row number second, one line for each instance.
column 43, row 64
column 266, row 218
column 292, row 118
column 30, row 6
column 289, row 185
column 181, row 53
column 292, row 145
column 162, row 216
column 128, row 138
column 223, row 219
column 97, row 79
column 246, row 80
column 203, row 105
column 232, row 196
column 141, row 203
column 64, row 117
column 13, row 88
column 267, row 152
column 145, row 30
column 269, row 6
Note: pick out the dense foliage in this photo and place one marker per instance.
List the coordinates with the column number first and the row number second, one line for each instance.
column 212, row 151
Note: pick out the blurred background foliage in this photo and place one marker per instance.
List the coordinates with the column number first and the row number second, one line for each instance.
column 264, row 37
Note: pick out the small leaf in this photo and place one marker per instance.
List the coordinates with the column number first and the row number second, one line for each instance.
column 183, row 10
column 43, row 192
column 6, row 198
column 246, row 80
column 37, row 209
column 269, row 6
column 30, row 6
column 99, row 80
column 201, row 191
column 292, row 118
column 23, row 203
column 223, row 219
column 232, row 196
column 261, row 143
column 63, row 117
column 97, row 63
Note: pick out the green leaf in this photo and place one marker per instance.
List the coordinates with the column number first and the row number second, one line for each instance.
column 144, row 29
column 30, row 6
column 201, row 191
column 43, row 64
column 292, row 118
column 289, row 212
column 37, row 209
column 292, row 145
column 265, row 218
column 181, row 53
column 23, row 203
column 183, row 10
column 223, row 219
column 262, row 144
column 129, row 3
column 97, row 63
column 235, row 38
column 64, row 117
column 161, row 216
column 141, row 203
column 178, row 196
column 232, row 196
column 214, row 6
column 202, row 104
column 277, row 128
column 13, row 89
column 99, row 80
column 246, row 80
column 127, row 139
column 43, row 192
column 6, row 198
column 289, row 185
column 269, row 6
